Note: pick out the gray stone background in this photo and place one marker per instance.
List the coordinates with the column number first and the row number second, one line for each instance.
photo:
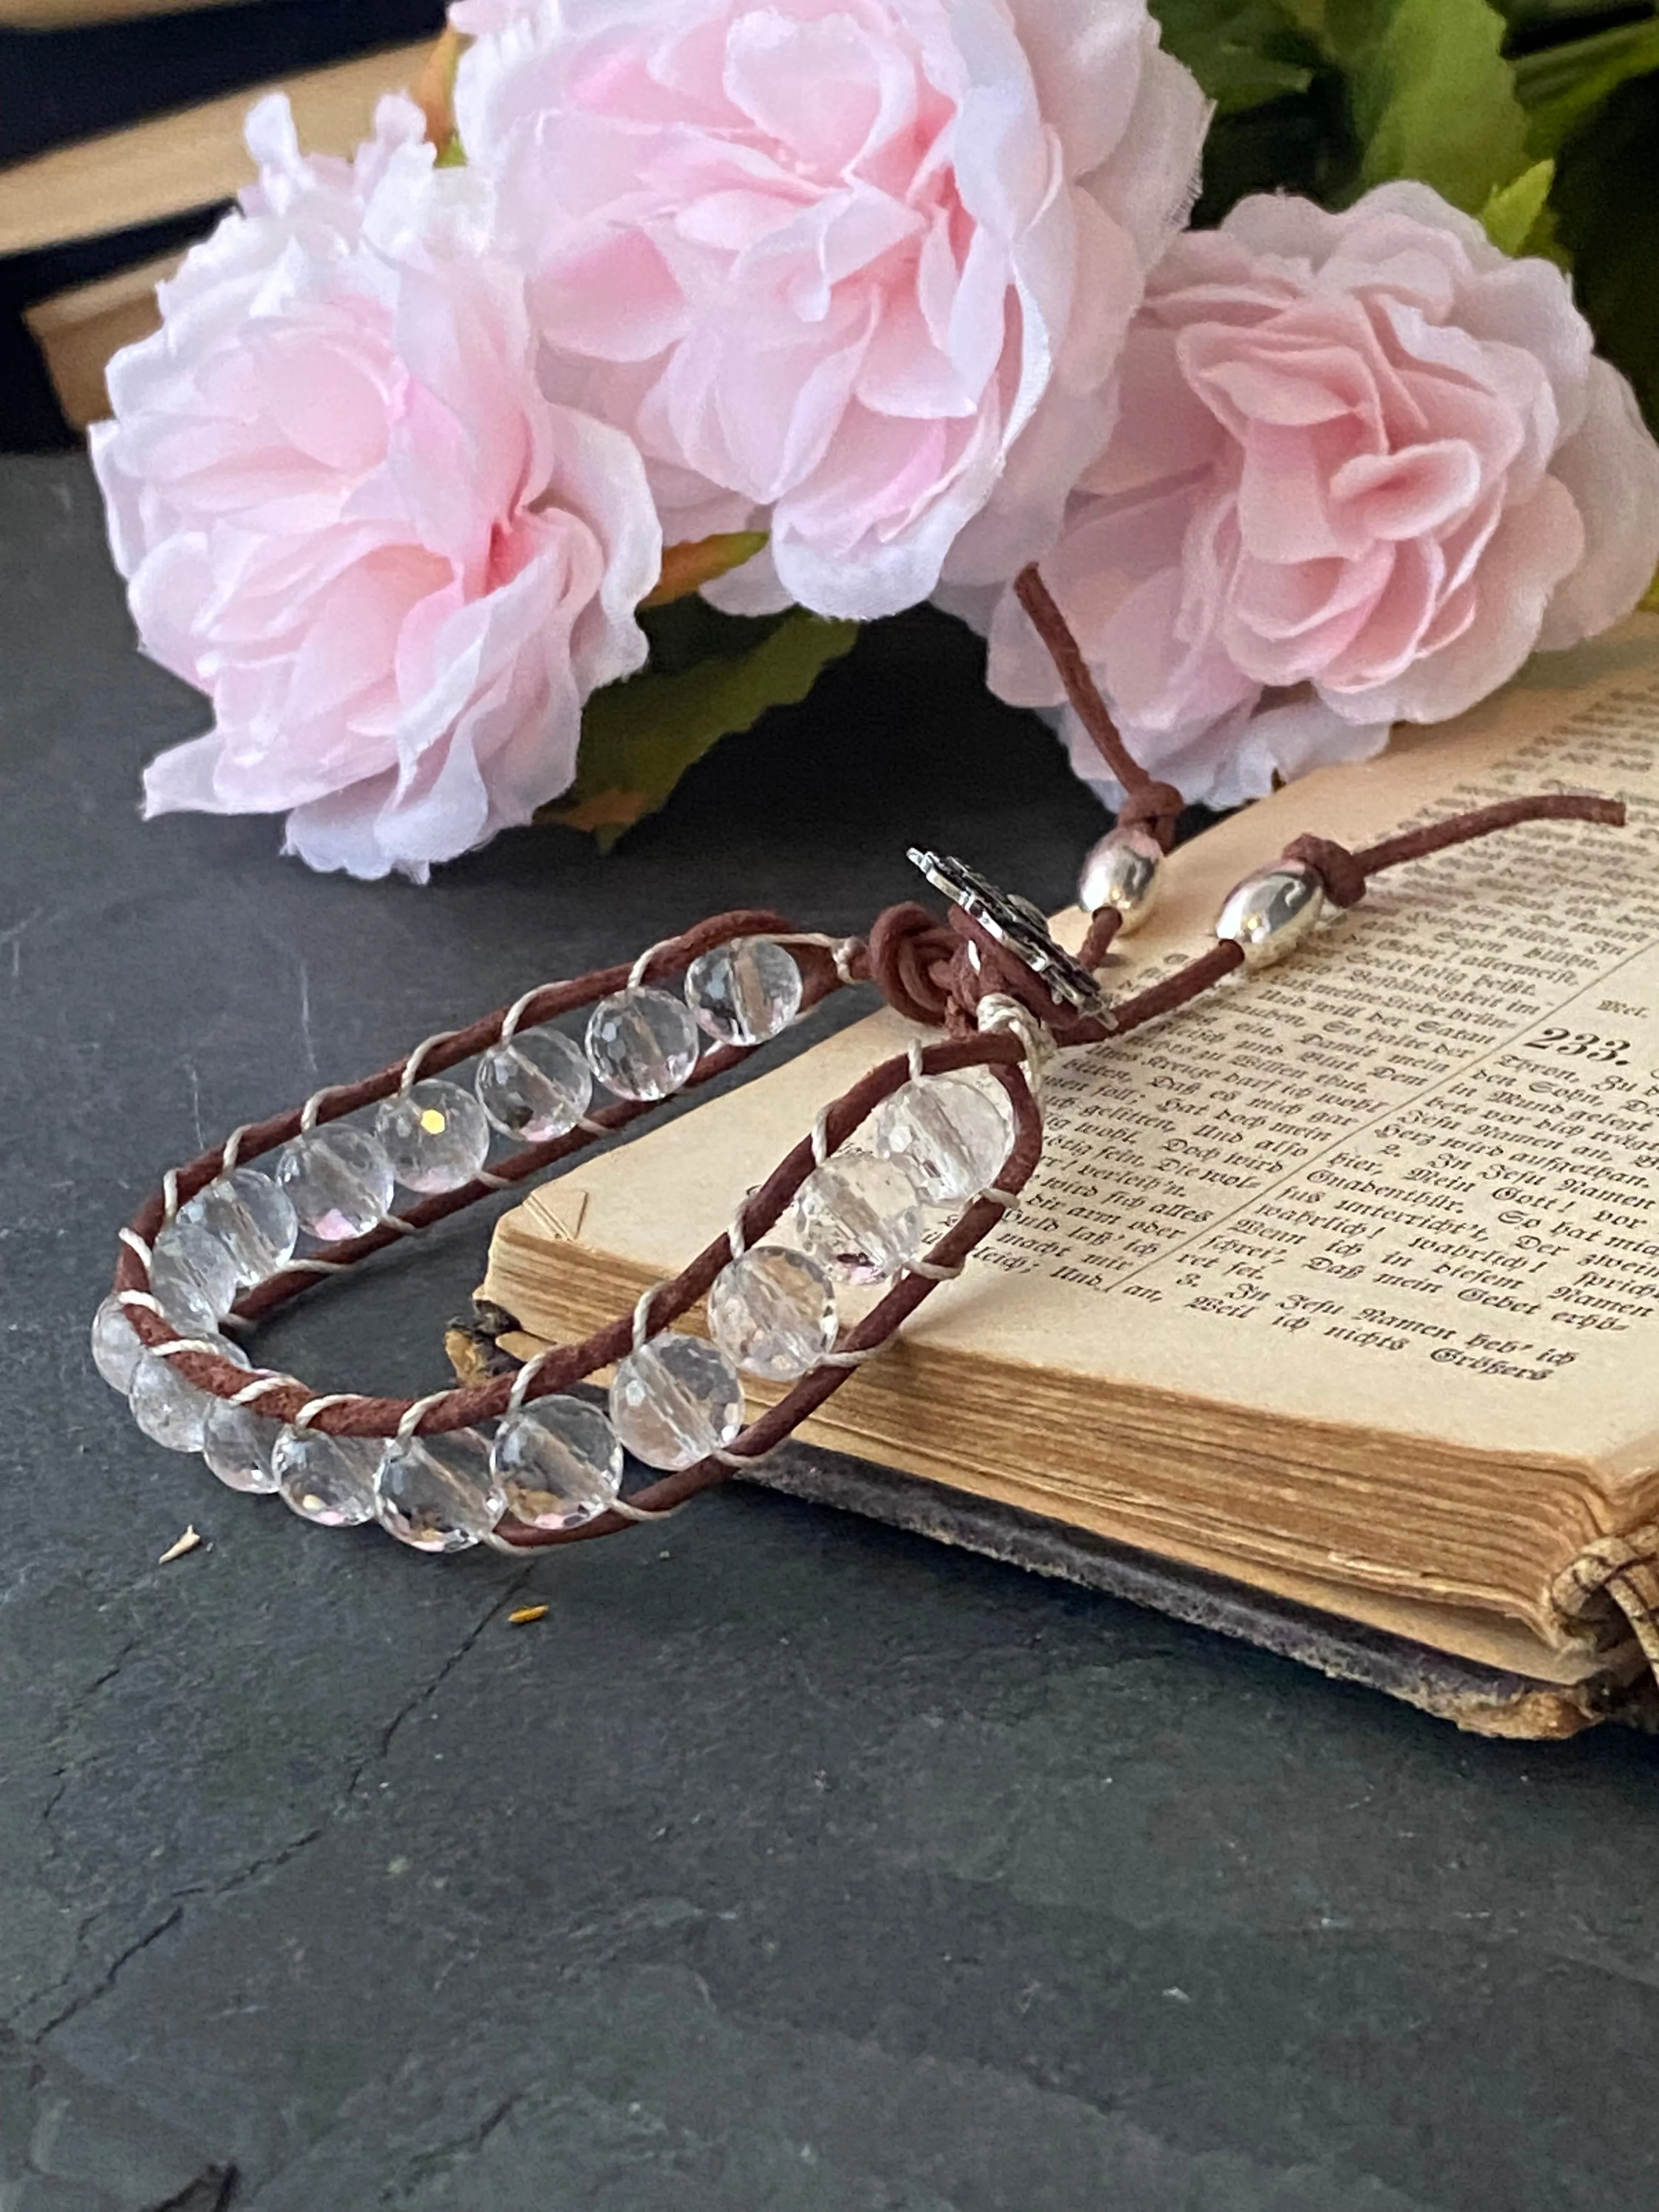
column 791, row 1864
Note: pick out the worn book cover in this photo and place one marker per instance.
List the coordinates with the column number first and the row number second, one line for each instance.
column 1332, row 1313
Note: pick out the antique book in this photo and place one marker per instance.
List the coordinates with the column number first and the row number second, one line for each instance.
column 1331, row 1316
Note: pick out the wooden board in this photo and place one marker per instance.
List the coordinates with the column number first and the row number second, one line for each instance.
column 77, row 332
column 67, row 14
column 173, row 163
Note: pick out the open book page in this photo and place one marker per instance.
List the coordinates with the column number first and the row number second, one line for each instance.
column 1406, row 1182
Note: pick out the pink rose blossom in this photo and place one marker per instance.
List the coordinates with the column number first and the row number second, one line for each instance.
column 1365, row 465
column 350, row 516
column 861, row 266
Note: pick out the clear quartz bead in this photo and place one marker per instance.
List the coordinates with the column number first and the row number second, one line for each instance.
column 745, row 992
column 169, row 1410
column 192, row 1278
column 252, row 1218
column 642, row 1043
column 676, row 1399
column 772, row 1313
column 116, row 1350
column 237, row 1442
column 435, row 1134
column 327, row 1480
column 438, row 1494
column 861, row 1217
column 338, row 1181
column 558, row 1463
column 954, row 1136
column 534, row 1087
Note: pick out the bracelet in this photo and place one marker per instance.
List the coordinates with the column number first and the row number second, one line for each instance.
column 954, row 1133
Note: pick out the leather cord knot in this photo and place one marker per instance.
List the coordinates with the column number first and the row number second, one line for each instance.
column 983, row 968
column 911, row 954
column 1334, row 865
column 1152, row 805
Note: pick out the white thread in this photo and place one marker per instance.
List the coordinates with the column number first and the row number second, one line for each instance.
column 262, row 1386
column 932, row 1274
column 135, row 1243
column 416, row 1059
column 313, row 1106
column 841, row 950
column 175, row 1344
column 644, row 1513
column 494, row 1181
column 395, row 1221
column 516, row 1012
column 308, row 1413
column 413, row 1415
column 140, row 1298
column 738, row 1458
column 525, row 1376
column 497, row 1542
column 737, row 1236
column 642, row 1314
column 594, row 1128
column 170, row 1195
column 917, row 1070
column 636, row 974
column 1004, row 1199
column 318, row 1267
column 231, row 1150
column 851, row 1359
column 821, row 1138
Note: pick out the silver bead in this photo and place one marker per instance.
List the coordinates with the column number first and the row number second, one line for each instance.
column 1124, row 870
column 1270, row 913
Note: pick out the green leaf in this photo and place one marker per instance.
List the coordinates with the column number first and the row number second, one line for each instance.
column 1608, row 213
column 1512, row 211
column 1563, row 86
column 1430, row 92
column 1243, row 53
column 640, row 738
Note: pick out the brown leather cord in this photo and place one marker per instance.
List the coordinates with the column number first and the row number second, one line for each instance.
column 1147, row 802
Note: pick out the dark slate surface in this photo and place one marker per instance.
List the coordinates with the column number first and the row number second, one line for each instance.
column 791, row 1864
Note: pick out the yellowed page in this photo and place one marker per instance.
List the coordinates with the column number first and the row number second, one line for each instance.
column 1407, row 1181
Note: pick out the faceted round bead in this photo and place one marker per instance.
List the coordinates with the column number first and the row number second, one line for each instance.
column 745, row 992
column 327, row 1480
column 534, row 1087
column 558, row 1463
column 435, row 1134
column 954, row 1136
column 252, row 1218
column 237, row 1442
column 192, row 1278
column 116, row 1350
column 642, row 1043
column 169, row 1410
column 772, row 1313
column 1125, row 870
column 860, row 1217
column 675, row 1401
column 437, row 1493
column 338, row 1181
